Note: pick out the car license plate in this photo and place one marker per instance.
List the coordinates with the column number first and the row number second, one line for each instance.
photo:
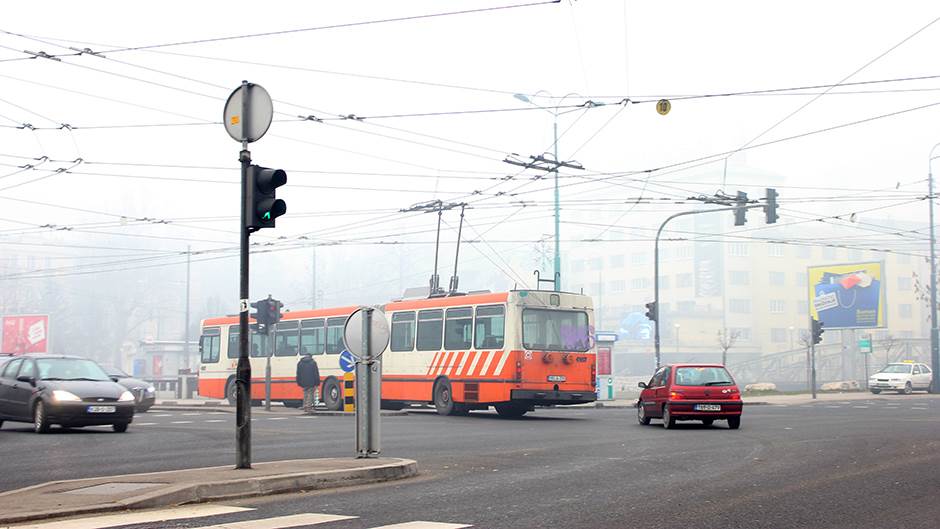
column 707, row 407
column 102, row 409
column 556, row 378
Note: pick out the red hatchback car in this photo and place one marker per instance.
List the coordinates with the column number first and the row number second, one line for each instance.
column 690, row 392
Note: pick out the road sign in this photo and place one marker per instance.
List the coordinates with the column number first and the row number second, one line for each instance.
column 864, row 345
column 347, row 362
column 248, row 113
column 663, row 106
column 378, row 335
column 25, row 334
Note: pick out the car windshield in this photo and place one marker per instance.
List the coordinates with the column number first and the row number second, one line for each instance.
column 70, row 369
column 897, row 368
column 703, row 376
column 115, row 372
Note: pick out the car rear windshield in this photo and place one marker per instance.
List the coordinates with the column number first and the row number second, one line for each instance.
column 897, row 368
column 70, row 369
column 703, row 376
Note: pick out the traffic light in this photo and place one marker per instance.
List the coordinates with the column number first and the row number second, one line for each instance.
column 651, row 311
column 817, row 331
column 274, row 308
column 263, row 205
column 770, row 208
column 263, row 316
column 739, row 213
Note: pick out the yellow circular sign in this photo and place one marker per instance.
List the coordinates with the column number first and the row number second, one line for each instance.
column 663, row 106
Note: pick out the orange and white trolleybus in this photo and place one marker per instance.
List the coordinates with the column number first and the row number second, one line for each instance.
column 510, row 350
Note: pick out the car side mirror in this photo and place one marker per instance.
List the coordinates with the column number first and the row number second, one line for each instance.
column 642, row 385
column 115, row 379
column 27, row 378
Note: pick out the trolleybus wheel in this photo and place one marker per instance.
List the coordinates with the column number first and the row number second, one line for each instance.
column 443, row 397
column 231, row 392
column 332, row 395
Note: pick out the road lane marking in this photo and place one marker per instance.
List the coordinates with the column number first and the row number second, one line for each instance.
column 917, row 408
column 833, row 406
column 423, row 525
column 162, row 515
column 276, row 418
column 282, row 522
column 216, row 420
column 860, row 407
column 181, row 422
column 164, row 415
column 197, row 413
column 144, row 423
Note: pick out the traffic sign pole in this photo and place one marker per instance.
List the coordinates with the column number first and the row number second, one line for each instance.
column 243, row 373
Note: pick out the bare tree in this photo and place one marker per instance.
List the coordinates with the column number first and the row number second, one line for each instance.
column 889, row 343
column 726, row 340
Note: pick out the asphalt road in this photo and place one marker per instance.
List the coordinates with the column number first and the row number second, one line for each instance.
column 858, row 464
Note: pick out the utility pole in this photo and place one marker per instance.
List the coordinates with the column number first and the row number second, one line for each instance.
column 186, row 317
column 934, row 334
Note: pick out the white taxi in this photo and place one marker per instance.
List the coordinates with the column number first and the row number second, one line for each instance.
column 903, row 377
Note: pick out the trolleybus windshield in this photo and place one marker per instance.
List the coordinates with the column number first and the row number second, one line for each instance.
column 555, row 330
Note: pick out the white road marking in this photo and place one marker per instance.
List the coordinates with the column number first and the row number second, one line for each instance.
column 860, row 407
column 276, row 418
column 181, row 422
column 144, row 423
column 190, row 414
column 282, row 522
column 163, row 415
column 833, row 406
column 115, row 520
column 917, row 408
column 423, row 525
column 216, row 420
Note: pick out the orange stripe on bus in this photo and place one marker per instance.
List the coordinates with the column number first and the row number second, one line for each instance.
column 445, row 363
column 469, row 365
column 495, row 363
column 431, row 366
column 500, row 297
column 484, row 356
column 457, row 360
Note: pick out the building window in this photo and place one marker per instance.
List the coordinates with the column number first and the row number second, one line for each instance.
column 904, row 284
column 597, row 263
column 801, row 308
column 640, row 283
column 830, row 253
column 804, row 252
column 638, row 259
column 776, row 250
column 739, row 278
column 663, row 281
column 744, row 333
column 684, row 252
column 904, row 258
column 685, row 307
column 616, row 261
column 738, row 249
column 777, row 306
column 778, row 335
column 684, row 280
column 577, row 265
column 801, row 279
column 905, row 310
column 618, row 286
column 856, row 255
column 778, row 279
column 739, row 306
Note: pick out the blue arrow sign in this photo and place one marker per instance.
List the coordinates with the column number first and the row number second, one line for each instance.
column 347, row 362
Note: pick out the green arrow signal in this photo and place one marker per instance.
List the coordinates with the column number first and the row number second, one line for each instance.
column 266, row 216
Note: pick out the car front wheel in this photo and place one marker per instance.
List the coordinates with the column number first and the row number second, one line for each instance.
column 908, row 388
column 875, row 391
column 40, row 419
column 120, row 427
column 641, row 414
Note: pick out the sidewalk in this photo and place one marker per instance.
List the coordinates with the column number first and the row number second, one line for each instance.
column 176, row 487
column 223, row 406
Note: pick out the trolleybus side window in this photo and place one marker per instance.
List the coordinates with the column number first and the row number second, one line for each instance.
column 430, row 329
column 254, row 348
column 287, row 339
column 490, row 327
column 209, row 344
column 312, row 334
column 555, row 330
column 458, row 329
column 334, row 335
column 403, row 331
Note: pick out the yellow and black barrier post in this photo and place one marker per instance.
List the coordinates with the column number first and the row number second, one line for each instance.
column 349, row 393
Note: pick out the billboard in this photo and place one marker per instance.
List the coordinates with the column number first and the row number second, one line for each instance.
column 25, row 334
column 848, row 296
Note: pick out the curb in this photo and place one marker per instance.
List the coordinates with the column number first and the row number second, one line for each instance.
column 231, row 489
column 384, row 413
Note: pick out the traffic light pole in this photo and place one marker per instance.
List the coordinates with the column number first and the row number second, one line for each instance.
column 243, row 372
column 934, row 332
column 656, row 266
column 812, row 358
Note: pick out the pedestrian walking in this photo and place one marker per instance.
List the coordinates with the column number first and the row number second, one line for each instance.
column 308, row 378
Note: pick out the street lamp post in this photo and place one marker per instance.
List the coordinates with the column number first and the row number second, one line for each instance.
column 676, row 327
column 934, row 345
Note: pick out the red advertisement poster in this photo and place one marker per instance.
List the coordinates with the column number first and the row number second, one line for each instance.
column 603, row 360
column 25, row 334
